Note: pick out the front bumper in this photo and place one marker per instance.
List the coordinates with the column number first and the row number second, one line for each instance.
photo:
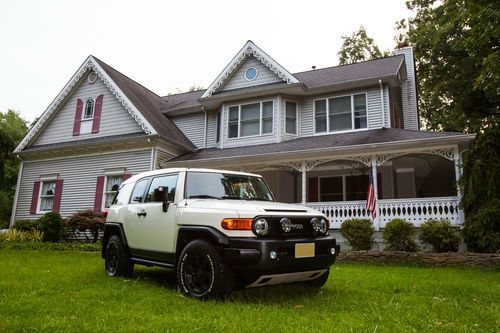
column 250, row 257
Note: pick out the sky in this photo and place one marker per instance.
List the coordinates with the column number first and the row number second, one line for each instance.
column 171, row 45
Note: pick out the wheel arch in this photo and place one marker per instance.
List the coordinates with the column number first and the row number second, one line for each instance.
column 110, row 229
column 189, row 233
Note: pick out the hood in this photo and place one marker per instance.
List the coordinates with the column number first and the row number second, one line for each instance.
column 246, row 206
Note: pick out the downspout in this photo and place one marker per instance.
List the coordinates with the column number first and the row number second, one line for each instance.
column 382, row 101
column 152, row 162
column 205, row 127
column 16, row 195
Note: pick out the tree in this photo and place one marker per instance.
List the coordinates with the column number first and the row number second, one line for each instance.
column 457, row 52
column 12, row 129
column 358, row 47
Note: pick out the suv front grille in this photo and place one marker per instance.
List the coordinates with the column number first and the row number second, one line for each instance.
column 302, row 227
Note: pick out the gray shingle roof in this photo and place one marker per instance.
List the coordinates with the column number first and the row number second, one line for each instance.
column 183, row 100
column 383, row 135
column 150, row 106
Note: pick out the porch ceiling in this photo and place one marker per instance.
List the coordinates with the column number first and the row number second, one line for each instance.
column 361, row 142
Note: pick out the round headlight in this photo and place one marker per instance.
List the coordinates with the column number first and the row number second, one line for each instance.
column 261, row 227
column 286, row 224
column 324, row 226
column 316, row 224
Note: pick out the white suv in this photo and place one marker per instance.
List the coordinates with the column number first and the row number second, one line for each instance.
column 218, row 229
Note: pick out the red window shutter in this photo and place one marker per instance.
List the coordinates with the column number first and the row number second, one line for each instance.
column 78, row 117
column 97, row 114
column 99, row 192
column 126, row 176
column 34, row 197
column 56, row 206
column 313, row 189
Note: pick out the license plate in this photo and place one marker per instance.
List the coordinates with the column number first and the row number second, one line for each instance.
column 304, row 250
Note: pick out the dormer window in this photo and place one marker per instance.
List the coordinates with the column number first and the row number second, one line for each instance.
column 251, row 73
column 251, row 119
column 340, row 113
column 89, row 109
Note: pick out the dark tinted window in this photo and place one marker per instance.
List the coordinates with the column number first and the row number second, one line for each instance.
column 139, row 189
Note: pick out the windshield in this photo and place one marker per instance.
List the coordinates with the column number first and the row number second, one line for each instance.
column 208, row 185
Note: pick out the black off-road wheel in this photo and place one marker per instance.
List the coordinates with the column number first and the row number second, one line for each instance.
column 116, row 258
column 319, row 281
column 201, row 272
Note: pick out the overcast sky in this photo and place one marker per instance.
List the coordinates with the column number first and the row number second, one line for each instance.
column 170, row 45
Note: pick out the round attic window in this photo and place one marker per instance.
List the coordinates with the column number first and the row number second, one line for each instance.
column 92, row 78
column 251, row 73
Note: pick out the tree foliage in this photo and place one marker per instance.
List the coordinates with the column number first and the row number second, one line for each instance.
column 358, row 47
column 481, row 187
column 12, row 129
column 457, row 52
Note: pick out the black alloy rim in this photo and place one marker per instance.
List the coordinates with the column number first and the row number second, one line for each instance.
column 198, row 274
column 112, row 258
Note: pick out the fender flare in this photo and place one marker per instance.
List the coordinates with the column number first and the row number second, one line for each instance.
column 113, row 228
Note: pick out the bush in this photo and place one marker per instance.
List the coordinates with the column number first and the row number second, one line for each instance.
column 27, row 225
column 482, row 230
column 440, row 235
column 51, row 224
column 86, row 220
column 359, row 233
column 15, row 235
column 398, row 234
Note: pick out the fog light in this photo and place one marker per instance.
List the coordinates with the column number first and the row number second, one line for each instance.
column 332, row 250
column 273, row 255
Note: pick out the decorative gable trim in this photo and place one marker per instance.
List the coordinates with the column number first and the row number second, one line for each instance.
column 250, row 49
column 89, row 64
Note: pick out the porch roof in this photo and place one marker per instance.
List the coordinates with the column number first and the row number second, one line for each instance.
column 360, row 142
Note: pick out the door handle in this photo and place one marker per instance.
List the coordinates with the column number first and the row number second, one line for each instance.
column 142, row 213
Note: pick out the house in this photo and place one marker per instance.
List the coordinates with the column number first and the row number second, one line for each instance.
column 316, row 136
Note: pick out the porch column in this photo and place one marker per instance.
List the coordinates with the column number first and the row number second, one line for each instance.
column 376, row 220
column 303, row 170
column 457, row 161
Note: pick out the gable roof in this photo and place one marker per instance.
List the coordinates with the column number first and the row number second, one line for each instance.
column 249, row 49
column 142, row 104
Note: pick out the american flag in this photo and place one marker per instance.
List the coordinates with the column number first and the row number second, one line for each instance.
column 371, row 201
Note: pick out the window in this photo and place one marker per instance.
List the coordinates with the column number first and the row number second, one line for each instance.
column 251, row 119
column 251, row 73
column 139, row 189
column 340, row 113
column 217, row 132
column 331, row 189
column 123, row 194
column 89, row 109
column 343, row 188
column 160, row 184
column 290, row 117
column 48, row 189
column 112, row 185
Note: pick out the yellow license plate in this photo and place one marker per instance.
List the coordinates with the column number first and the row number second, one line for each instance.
column 304, row 250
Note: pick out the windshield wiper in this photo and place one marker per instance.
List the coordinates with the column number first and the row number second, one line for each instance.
column 231, row 197
column 203, row 196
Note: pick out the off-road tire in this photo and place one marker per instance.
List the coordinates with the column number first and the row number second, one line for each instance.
column 116, row 258
column 201, row 273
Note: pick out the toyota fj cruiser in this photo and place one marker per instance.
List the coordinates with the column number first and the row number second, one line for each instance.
column 218, row 229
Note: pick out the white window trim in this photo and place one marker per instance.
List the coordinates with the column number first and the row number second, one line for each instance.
column 112, row 172
column 44, row 179
column 85, row 108
column 256, row 73
column 239, row 120
column 328, row 114
column 296, row 118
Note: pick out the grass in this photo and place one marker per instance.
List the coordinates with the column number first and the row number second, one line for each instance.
column 46, row 290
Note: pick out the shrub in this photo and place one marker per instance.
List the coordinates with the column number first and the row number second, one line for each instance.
column 27, row 225
column 15, row 235
column 51, row 224
column 87, row 220
column 482, row 230
column 440, row 235
column 398, row 234
column 358, row 232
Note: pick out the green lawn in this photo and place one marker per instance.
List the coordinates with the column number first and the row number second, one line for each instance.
column 50, row 290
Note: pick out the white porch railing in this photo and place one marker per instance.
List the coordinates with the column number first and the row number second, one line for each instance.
column 415, row 210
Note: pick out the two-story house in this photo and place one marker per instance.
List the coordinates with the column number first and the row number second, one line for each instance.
column 316, row 136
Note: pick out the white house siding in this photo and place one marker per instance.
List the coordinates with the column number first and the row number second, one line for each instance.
column 193, row 126
column 237, row 80
column 162, row 156
column 409, row 91
column 282, row 119
column 115, row 119
column 374, row 109
column 251, row 140
column 212, row 129
column 80, row 175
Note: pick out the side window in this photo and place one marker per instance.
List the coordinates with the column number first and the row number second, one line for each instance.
column 122, row 194
column 139, row 189
column 160, row 184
